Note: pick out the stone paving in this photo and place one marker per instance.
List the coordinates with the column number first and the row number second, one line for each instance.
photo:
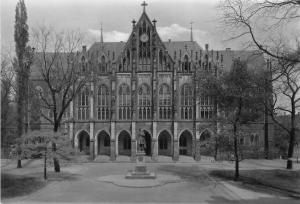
column 201, row 189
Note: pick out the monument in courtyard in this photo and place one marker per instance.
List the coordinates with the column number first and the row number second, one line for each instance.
column 140, row 171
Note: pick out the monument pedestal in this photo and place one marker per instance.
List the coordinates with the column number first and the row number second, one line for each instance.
column 140, row 171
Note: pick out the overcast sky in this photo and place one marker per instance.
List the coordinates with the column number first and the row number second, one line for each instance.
column 173, row 18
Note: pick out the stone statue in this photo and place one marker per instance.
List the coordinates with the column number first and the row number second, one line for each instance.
column 141, row 141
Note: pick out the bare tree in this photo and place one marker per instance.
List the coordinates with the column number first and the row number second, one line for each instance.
column 237, row 96
column 265, row 23
column 58, row 62
column 286, row 99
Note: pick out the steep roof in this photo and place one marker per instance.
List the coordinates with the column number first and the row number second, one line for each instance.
column 113, row 47
column 173, row 46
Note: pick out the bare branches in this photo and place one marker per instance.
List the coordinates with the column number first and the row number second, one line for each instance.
column 259, row 21
column 58, row 61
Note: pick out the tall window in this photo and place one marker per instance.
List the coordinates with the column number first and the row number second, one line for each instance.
column 83, row 65
column 103, row 103
column 83, row 104
column 186, row 64
column 206, row 107
column 124, row 102
column 187, row 102
column 144, row 99
column 102, row 65
column 164, row 102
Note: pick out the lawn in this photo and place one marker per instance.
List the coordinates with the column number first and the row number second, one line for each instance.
column 16, row 185
column 284, row 180
column 19, row 185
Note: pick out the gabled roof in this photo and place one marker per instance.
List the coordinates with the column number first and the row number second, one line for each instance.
column 112, row 47
column 184, row 46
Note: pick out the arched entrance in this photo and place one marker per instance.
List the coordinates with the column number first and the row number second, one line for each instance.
column 206, row 143
column 165, row 144
column 124, row 143
column 148, row 149
column 185, row 143
column 84, row 142
column 103, row 140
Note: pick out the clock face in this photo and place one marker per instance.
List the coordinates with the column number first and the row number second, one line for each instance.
column 144, row 37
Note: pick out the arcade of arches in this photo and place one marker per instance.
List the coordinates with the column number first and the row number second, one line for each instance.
column 164, row 144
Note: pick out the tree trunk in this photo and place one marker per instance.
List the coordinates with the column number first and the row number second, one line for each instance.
column 19, row 163
column 216, row 149
column 266, row 132
column 236, row 155
column 291, row 150
column 55, row 159
column 45, row 165
column 289, row 164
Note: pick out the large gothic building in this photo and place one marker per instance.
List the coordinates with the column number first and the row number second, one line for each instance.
column 147, row 86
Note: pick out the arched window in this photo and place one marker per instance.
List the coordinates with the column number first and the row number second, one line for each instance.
column 160, row 57
column 128, row 59
column 186, row 64
column 83, row 65
column 102, row 65
column 124, row 102
column 83, row 104
column 164, row 102
column 187, row 102
column 103, row 103
column 144, row 98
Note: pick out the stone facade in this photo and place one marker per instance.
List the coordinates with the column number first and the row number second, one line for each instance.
column 146, row 86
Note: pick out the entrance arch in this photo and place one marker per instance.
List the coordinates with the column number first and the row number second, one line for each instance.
column 84, row 142
column 165, row 144
column 103, row 142
column 124, row 143
column 185, row 143
column 206, row 143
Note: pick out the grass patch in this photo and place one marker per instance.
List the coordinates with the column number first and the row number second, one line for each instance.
column 20, row 185
column 16, row 185
column 284, row 180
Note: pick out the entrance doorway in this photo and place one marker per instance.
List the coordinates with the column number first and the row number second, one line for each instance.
column 84, row 142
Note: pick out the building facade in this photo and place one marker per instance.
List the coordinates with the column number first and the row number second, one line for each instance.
column 147, row 86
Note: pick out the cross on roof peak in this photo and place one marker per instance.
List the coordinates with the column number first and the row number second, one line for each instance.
column 144, row 4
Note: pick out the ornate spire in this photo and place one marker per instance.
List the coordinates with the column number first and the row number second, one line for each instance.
column 144, row 4
column 101, row 34
column 192, row 31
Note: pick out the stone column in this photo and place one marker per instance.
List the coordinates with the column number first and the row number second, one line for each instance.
column 113, row 150
column 71, row 133
column 133, row 141
column 197, row 152
column 133, row 150
column 154, row 144
column 96, row 145
column 175, row 143
column 92, row 148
